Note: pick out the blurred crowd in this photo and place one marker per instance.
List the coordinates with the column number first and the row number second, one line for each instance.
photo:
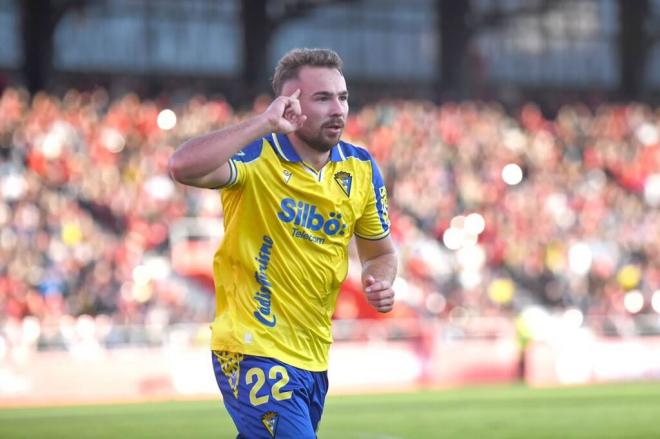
column 86, row 204
column 87, row 207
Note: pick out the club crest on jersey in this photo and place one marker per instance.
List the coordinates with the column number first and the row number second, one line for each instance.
column 344, row 180
column 287, row 176
column 269, row 419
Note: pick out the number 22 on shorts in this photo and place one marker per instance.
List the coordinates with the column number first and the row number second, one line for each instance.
column 257, row 376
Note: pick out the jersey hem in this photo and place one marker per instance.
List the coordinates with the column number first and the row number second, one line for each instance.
column 309, row 366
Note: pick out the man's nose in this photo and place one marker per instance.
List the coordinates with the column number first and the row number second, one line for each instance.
column 337, row 108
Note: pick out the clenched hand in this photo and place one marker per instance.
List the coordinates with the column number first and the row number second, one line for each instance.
column 284, row 114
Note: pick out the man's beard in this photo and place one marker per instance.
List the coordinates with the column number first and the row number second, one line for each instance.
column 317, row 141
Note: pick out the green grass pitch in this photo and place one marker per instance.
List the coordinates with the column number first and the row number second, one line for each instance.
column 604, row 411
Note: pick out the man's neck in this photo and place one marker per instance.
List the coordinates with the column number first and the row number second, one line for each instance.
column 308, row 154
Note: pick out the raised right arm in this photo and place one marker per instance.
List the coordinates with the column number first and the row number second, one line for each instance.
column 203, row 161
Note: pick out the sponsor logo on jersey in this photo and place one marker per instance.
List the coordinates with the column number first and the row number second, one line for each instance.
column 382, row 195
column 307, row 220
column 287, row 176
column 264, row 296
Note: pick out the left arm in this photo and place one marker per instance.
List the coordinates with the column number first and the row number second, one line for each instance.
column 379, row 266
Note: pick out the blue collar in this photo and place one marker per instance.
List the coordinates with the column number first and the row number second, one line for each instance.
column 284, row 149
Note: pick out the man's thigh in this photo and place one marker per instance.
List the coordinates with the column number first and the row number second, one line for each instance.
column 269, row 399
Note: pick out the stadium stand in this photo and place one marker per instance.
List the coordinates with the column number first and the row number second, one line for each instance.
column 87, row 212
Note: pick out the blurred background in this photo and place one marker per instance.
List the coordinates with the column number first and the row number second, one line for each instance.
column 519, row 140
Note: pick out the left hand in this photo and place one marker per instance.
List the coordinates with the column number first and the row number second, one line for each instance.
column 379, row 293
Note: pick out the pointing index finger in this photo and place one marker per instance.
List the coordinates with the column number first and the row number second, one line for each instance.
column 295, row 94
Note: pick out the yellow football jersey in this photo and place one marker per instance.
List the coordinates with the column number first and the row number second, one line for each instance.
column 284, row 255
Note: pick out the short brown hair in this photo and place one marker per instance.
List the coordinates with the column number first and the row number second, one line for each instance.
column 289, row 65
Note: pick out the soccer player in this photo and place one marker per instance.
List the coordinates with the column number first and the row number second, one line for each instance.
column 293, row 195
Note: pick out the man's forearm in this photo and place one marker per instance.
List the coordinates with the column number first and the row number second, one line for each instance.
column 383, row 267
column 203, row 154
column 378, row 275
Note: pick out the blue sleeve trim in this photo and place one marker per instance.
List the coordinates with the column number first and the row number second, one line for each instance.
column 250, row 152
column 383, row 235
column 379, row 194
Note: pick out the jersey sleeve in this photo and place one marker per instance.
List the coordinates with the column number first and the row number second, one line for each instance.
column 239, row 164
column 374, row 223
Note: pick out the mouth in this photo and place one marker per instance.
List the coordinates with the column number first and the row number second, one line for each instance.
column 335, row 128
